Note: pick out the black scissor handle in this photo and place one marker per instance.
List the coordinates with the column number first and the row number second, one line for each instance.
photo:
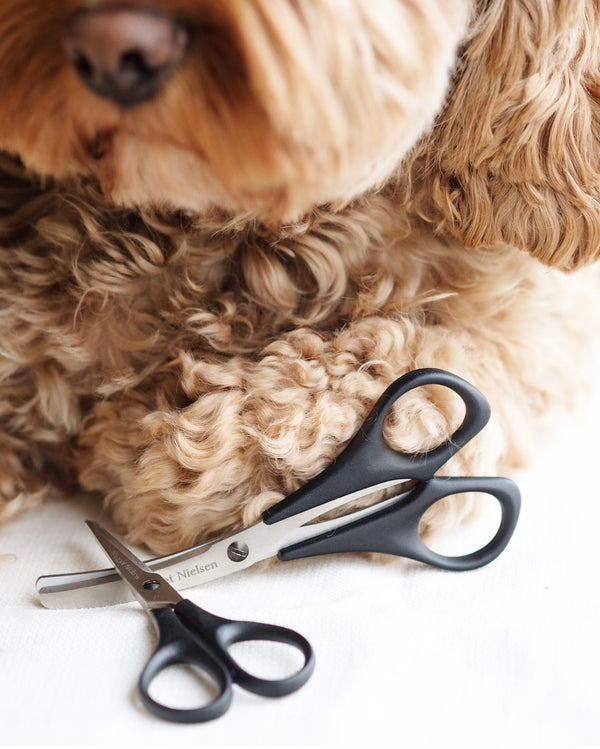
column 368, row 460
column 220, row 634
column 177, row 647
column 395, row 528
column 189, row 635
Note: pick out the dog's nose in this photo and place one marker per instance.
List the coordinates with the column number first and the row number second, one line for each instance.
column 125, row 53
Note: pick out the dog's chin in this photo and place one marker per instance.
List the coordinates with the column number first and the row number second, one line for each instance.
column 270, row 182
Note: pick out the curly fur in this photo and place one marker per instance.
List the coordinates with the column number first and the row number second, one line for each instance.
column 202, row 296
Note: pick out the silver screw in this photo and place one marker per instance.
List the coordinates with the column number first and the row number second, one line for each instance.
column 237, row 552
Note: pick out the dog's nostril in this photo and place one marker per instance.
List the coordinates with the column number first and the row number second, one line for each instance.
column 124, row 54
column 82, row 65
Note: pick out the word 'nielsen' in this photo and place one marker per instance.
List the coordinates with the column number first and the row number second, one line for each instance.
column 188, row 572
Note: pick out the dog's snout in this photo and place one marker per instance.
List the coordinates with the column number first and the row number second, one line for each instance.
column 124, row 53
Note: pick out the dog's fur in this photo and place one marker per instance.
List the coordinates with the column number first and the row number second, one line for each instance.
column 201, row 296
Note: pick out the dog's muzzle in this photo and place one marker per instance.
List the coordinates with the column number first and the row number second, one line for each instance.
column 125, row 53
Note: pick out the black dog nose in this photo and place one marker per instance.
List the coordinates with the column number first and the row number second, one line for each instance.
column 125, row 53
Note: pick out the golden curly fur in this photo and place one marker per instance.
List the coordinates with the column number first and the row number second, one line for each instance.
column 202, row 294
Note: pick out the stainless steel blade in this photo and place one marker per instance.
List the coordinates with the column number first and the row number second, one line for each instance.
column 150, row 588
column 212, row 560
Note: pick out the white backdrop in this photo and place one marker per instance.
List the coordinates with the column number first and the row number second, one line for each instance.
column 507, row 654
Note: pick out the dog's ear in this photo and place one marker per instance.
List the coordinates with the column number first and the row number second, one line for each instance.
column 515, row 156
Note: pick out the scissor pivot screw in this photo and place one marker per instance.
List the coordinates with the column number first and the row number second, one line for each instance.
column 237, row 552
column 151, row 585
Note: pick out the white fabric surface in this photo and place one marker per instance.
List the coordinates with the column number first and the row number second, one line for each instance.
column 504, row 655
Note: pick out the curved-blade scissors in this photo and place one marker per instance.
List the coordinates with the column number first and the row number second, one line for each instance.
column 290, row 530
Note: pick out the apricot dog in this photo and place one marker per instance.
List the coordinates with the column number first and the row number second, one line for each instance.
column 227, row 225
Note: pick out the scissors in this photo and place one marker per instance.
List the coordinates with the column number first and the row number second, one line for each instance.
column 192, row 636
column 294, row 528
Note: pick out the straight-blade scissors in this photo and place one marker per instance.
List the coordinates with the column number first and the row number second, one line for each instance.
column 191, row 636
column 294, row 528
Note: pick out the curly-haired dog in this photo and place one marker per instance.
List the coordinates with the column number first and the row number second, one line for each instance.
column 227, row 225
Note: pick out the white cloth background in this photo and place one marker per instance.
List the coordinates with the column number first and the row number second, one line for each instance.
column 504, row 655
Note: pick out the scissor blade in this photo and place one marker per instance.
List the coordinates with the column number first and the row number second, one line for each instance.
column 198, row 564
column 150, row 589
column 208, row 561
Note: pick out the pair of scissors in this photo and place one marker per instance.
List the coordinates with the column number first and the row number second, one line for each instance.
column 294, row 528
column 191, row 636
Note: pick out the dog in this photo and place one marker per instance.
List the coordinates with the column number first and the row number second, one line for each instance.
column 227, row 225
